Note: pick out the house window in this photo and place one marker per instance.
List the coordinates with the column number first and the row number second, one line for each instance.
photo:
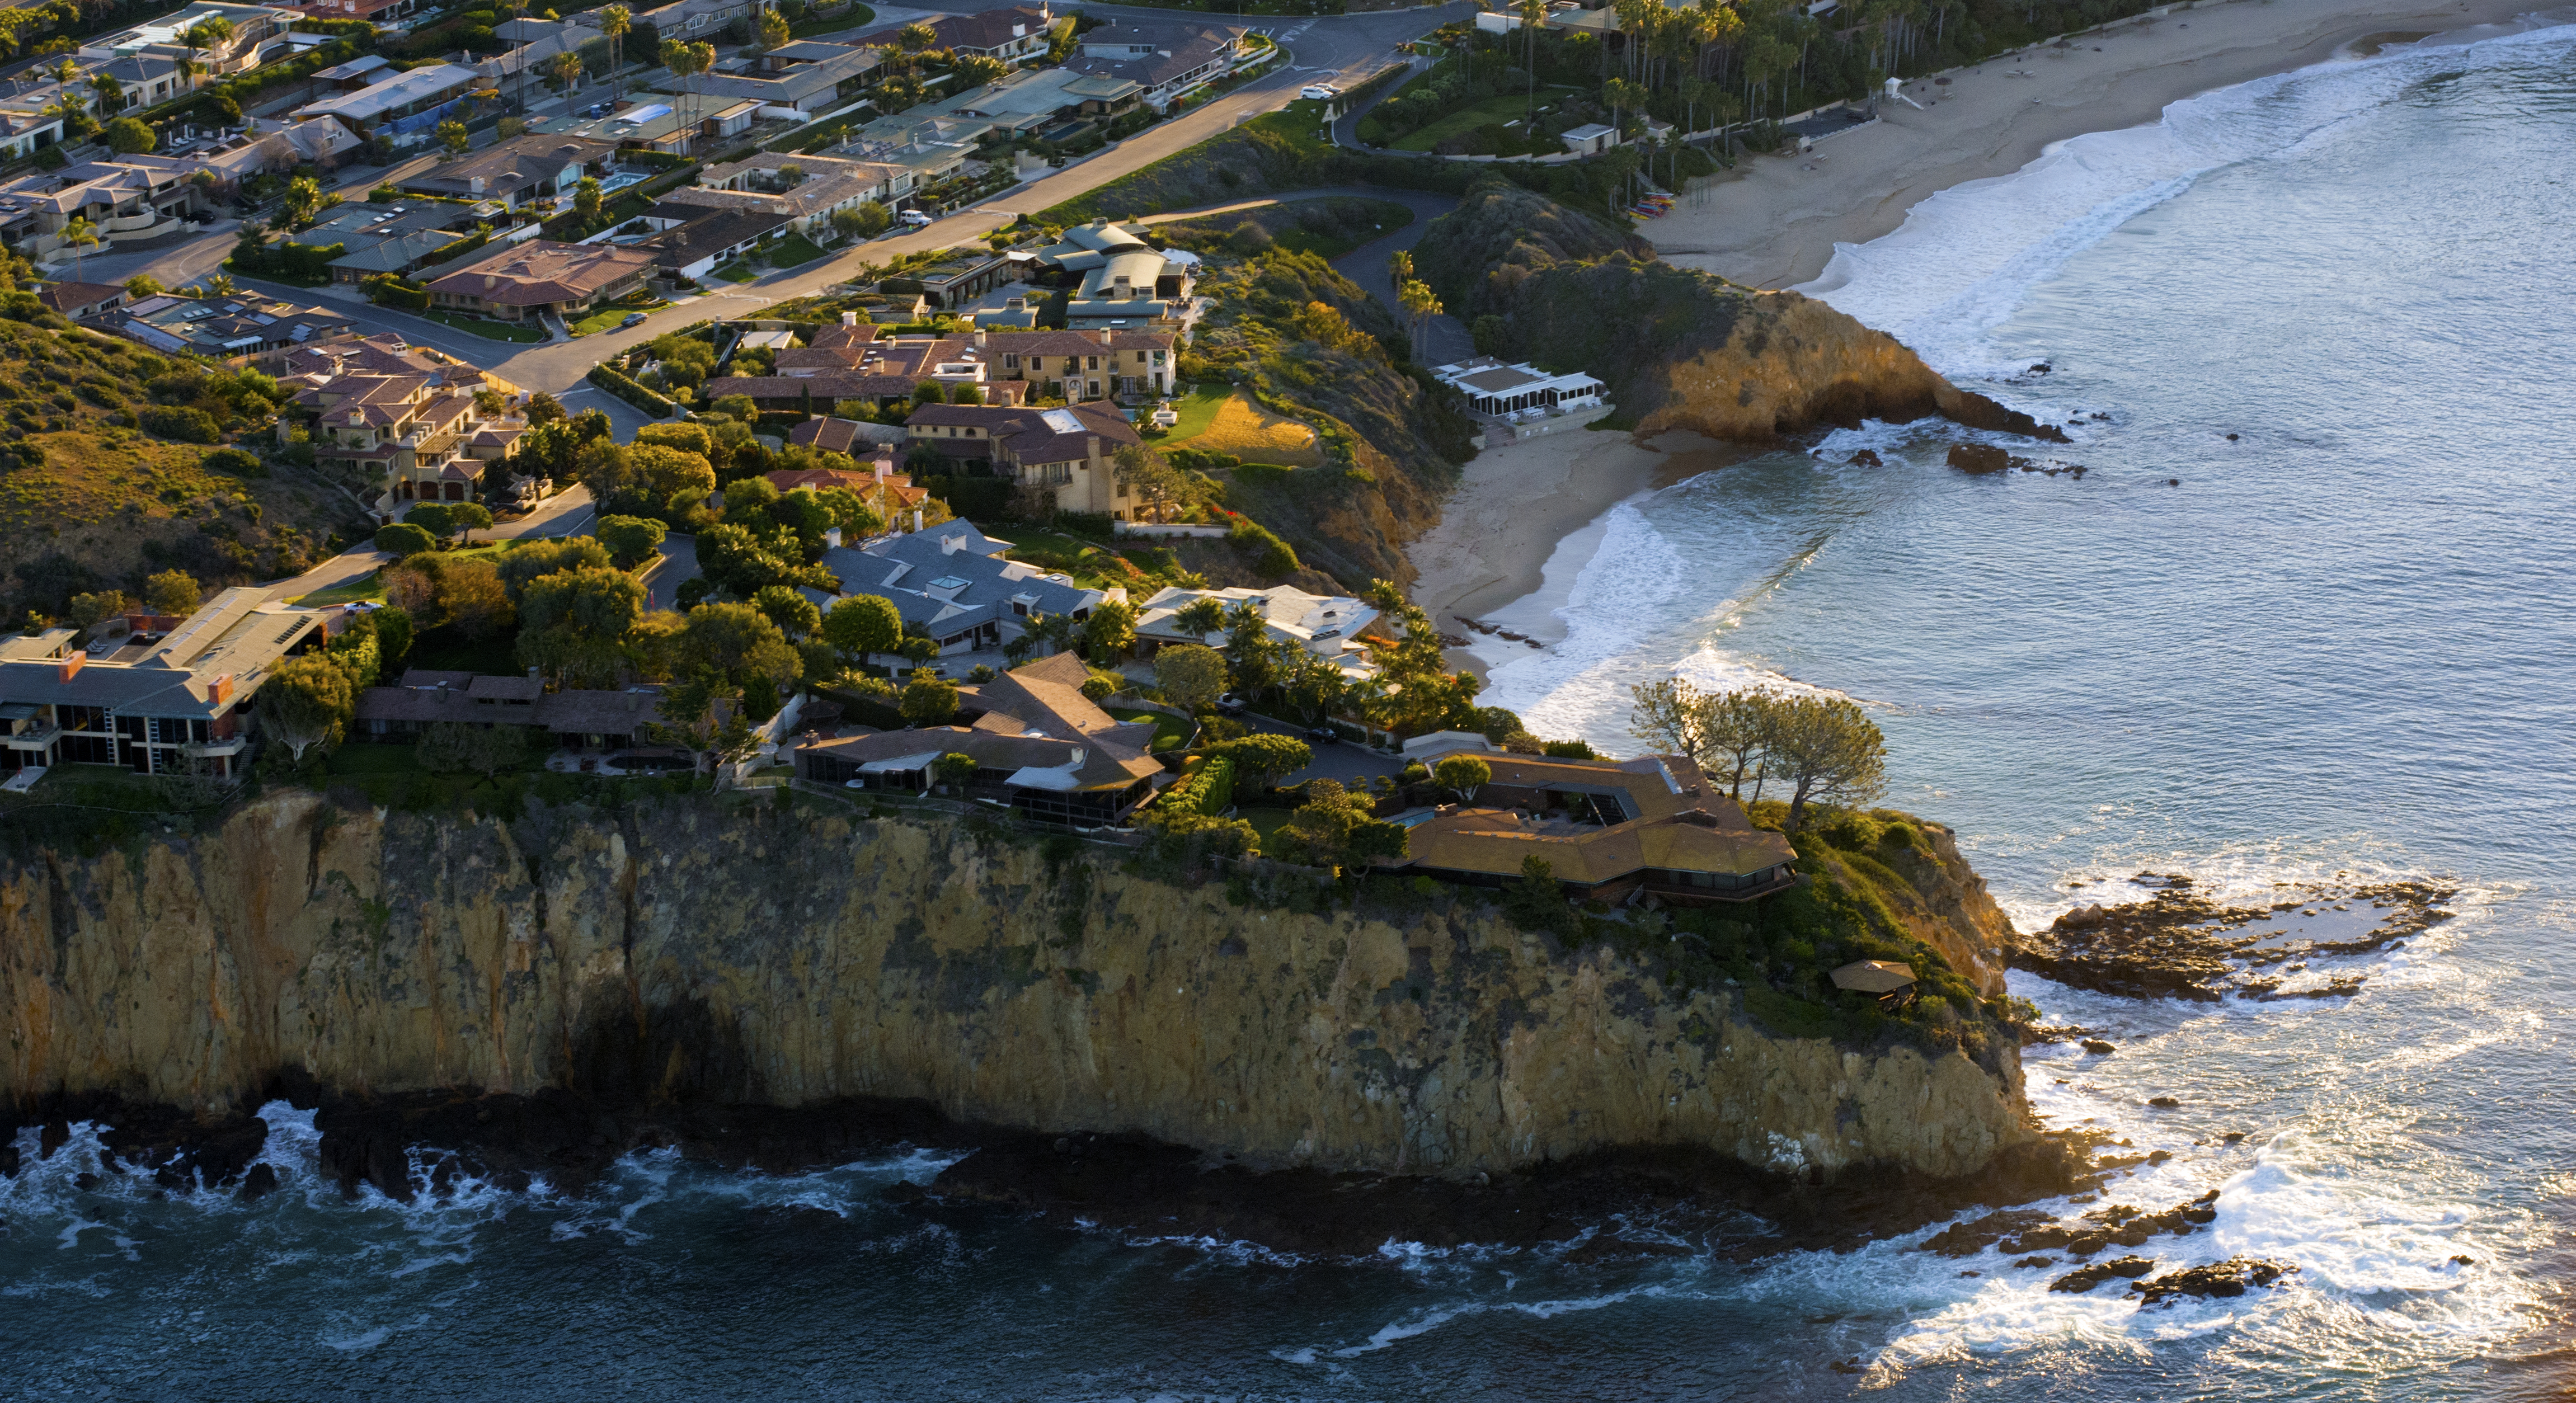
column 1010, row 362
column 1094, row 365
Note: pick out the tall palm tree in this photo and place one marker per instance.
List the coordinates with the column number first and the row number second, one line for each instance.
column 567, row 67
column 518, row 11
column 1533, row 13
column 80, row 234
column 616, row 22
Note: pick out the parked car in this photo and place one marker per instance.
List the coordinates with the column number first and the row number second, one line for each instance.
column 916, row 219
column 1230, row 705
column 1320, row 92
column 633, row 319
column 1322, row 735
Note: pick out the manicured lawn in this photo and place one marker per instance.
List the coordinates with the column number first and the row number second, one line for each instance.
column 794, row 251
column 1170, row 732
column 1198, row 410
column 1499, row 108
column 1223, row 419
column 498, row 331
column 736, row 272
column 367, row 586
column 362, row 757
column 1266, row 822
column 856, row 17
column 610, row 314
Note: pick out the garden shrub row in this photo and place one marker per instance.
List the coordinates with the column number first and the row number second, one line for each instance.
column 627, row 388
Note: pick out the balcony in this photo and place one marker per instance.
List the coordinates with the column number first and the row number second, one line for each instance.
column 40, row 736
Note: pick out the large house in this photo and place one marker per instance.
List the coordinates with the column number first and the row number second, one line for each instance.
column 523, row 168
column 1016, row 35
column 398, row 240
column 1608, row 831
column 1126, row 282
column 1037, row 743
column 1327, row 626
column 1498, row 390
column 533, row 279
column 574, row 719
column 124, row 198
column 408, row 421
column 955, row 582
column 798, row 88
column 166, row 696
column 243, row 329
column 1070, row 453
column 853, row 361
column 804, row 188
column 1166, row 60
column 407, row 106
column 691, row 240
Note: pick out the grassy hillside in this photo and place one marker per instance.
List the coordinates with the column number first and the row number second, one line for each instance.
column 92, row 497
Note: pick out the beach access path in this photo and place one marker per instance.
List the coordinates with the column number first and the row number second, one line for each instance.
column 1773, row 222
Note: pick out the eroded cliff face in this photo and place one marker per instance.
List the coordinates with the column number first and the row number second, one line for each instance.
column 747, row 954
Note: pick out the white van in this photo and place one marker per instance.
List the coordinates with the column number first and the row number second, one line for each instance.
column 914, row 218
column 1320, row 92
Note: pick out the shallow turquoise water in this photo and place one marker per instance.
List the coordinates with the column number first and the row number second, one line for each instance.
column 2343, row 644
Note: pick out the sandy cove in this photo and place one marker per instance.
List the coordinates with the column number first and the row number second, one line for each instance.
column 1774, row 221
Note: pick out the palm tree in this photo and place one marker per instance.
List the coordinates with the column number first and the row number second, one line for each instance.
column 1533, row 14
column 912, row 39
column 518, row 11
column 220, row 285
column 1420, row 306
column 80, row 234
column 616, row 22
column 567, row 67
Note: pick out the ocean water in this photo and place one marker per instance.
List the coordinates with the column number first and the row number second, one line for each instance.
column 2343, row 644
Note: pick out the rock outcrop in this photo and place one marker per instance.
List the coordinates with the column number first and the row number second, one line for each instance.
column 681, row 951
column 1680, row 349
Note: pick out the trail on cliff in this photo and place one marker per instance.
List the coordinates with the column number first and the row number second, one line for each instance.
column 1679, row 348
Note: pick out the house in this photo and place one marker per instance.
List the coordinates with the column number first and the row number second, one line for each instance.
column 266, row 146
column 25, row 132
column 406, row 432
column 687, row 19
column 1070, row 452
column 692, row 240
column 360, row 72
column 1126, row 282
column 1165, row 60
column 408, row 106
column 959, row 276
column 1495, row 389
column 1037, row 742
column 798, row 93
column 397, row 239
column 1016, row 35
column 379, row 11
column 954, row 581
column 526, row 167
column 540, row 277
column 1044, row 102
column 82, row 301
column 852, row 361
column 253, row 26
column 125, row 199
column 1327, row 626
column 575, row 719
column 1590, row 139
column 1612, row 831
column 241, row 329
column 804, row 188
column 173, row 700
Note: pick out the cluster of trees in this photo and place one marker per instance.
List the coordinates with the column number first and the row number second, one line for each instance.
column 1822, row 750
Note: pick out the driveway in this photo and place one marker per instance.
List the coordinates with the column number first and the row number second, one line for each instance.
column 1342, row 760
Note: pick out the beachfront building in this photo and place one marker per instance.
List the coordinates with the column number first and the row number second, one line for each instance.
column 1649, row 829
column 1499, row 390
column 156, row 694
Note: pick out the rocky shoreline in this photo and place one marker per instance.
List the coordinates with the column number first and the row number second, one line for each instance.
column 2182, row 943
column 1626, row 1203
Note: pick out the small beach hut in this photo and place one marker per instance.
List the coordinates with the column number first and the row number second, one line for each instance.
column 1892, row 983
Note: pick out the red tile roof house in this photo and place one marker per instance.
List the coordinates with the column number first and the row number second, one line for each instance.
column 540, row 277
column 1070, row 451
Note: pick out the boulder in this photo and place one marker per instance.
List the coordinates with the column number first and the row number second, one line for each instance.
column 2085, row 1278
column 2098, row 1047
column 2232, row 1277
column 1866, row 459
column 1979, row 458
column 259, row 1183
column 2084, row 918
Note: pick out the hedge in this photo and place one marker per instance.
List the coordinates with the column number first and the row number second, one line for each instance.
column 1209, row 789
column 627, row 388
column 386, row 290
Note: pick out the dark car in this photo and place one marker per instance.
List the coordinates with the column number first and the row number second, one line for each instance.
column 633, row 319
column 1322, row 735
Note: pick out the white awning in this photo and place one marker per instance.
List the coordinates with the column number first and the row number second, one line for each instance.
column 900, row 764
column 1061, row 779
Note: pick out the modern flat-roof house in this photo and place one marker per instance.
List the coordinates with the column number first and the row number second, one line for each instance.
column 1495, row 389
column 820, row 187
column 1590, row 139
column 955, row 582
column 1037, row 742
column 692, row 240
column 1327, row 626
column 1608, row 830
column 1165, row 60
column 526, row 167
column 407, row 104
column 542, row 276
column 239, row 329
column 852, row 361
column 799, row 91
column 1126, row 282
column 161, row 700
column 686, row 19
column 125, row 198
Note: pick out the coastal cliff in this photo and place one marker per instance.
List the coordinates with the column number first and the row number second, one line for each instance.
column 1680, row 349
column 681, row 951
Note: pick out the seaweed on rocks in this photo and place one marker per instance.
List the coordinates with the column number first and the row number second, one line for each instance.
column 2183, row 943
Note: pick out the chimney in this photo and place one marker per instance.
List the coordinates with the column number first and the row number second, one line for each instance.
column 222, row 690
column 832, row 538
column 534, row 676
column 1104, row 336
column 849, row 319
column 979, row 338
column 1080, row 754
column 947, row 544
column 70, row 667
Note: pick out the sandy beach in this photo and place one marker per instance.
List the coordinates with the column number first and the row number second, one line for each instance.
column 1775, row 220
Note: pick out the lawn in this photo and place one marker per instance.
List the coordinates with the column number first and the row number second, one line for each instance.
column 1223, row 419
column 855, row 17
column 736, row 272
column 611, row 313
column 1266, row 823
column 1170, row 732
column 1500, row 108
column 368, row 586
column 497, row 331
column 99, row 787
column 794, row 251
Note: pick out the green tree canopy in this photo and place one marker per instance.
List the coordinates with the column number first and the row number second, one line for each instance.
column 863, row 624
column 171, row 592
column 928, row 700
column 631, row 540
column 732, row 642
column 787, row 607
column 1261, row 758
column 1462, row 774
column 536, row 559
column 1192, row 677
column 306, row 702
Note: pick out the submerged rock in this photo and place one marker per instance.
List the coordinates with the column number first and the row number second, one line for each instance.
column 259, row 1183
column 2084, row 1279
column 1979, row 458
column 2182, row 943
column 1865, row 459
